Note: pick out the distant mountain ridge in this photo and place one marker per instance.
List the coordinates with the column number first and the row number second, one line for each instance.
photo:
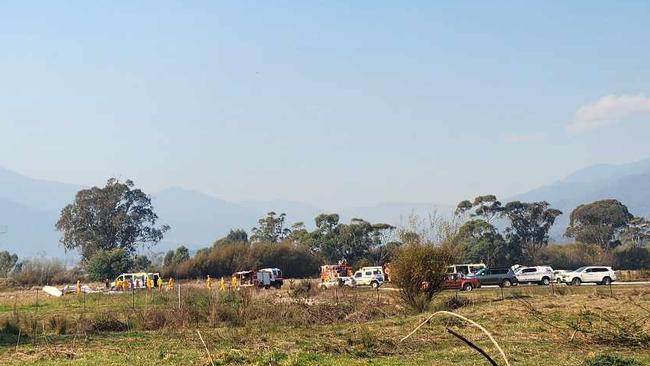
column 628, row 183
column 30, row 208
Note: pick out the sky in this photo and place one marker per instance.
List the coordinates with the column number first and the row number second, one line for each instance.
column 333, row 103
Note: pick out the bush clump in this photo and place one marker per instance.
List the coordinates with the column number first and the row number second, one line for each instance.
column 225, row 258
column 107, row 322
column 419, row 271
column 59, row 324
column 610, row 360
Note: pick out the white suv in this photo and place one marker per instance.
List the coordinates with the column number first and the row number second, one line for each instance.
column 589, row 274
column 369, row 276
column 542, row 275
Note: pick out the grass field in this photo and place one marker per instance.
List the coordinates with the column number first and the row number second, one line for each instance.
column 534, row 326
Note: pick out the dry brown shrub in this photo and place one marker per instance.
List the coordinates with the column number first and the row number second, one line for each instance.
column 106, row 322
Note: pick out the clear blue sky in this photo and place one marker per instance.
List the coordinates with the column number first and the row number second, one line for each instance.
column 333, row 103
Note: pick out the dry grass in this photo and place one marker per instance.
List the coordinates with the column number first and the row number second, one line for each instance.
column 324, row 328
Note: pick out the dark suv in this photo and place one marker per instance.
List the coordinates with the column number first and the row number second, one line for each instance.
column 504, row 277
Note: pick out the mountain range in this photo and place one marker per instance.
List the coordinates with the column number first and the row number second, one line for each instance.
column 628, row 183
column 30, row 207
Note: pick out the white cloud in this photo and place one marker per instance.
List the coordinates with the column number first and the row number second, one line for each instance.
column 608, row 110
column 519, row 138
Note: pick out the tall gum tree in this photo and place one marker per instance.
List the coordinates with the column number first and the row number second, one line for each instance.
column 117, row 216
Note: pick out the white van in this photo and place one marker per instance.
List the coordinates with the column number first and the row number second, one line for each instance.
column 267, row 277
column 137, row 280
column 466, row 268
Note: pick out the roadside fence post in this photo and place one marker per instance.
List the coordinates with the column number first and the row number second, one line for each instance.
column 133, row 298
column 179, row 296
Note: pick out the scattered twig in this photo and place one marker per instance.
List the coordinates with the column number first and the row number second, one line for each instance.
column 472, row 345
column 573, row 335
column 206, row 348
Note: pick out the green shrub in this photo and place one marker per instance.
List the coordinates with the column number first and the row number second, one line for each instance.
column 632, row 258
column 109, row 264
column 576, row 255
column 231, row 307
column 610, row 360
column 419, row 271
column 9, row 330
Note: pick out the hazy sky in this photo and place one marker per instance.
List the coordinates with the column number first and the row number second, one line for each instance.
column 331, row 103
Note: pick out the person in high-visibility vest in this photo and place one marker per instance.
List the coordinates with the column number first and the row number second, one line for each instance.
column 78, row 287
column 170, row 283
column 222, row 284
column 234, row 283
column 149, row 284
column 160, row 283
column 208, row 282
column 125, row 285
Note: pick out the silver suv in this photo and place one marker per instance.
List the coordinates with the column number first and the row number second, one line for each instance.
column 590, row 274
column 542, row 275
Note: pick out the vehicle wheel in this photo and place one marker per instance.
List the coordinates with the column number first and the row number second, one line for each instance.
column 323, row 287
column 374, row 284
column 506, row 283
column 606, row 281
column 546, row 281
column 468, row 287
column 266, row 287
column 576, row 281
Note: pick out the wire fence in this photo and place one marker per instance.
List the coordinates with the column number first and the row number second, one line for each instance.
column 38, row 303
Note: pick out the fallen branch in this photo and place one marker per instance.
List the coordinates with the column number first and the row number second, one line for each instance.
column 465, row 319
column 473, row 345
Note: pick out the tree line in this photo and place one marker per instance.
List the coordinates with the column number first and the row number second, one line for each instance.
column 107, row 225
column 605, row 233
